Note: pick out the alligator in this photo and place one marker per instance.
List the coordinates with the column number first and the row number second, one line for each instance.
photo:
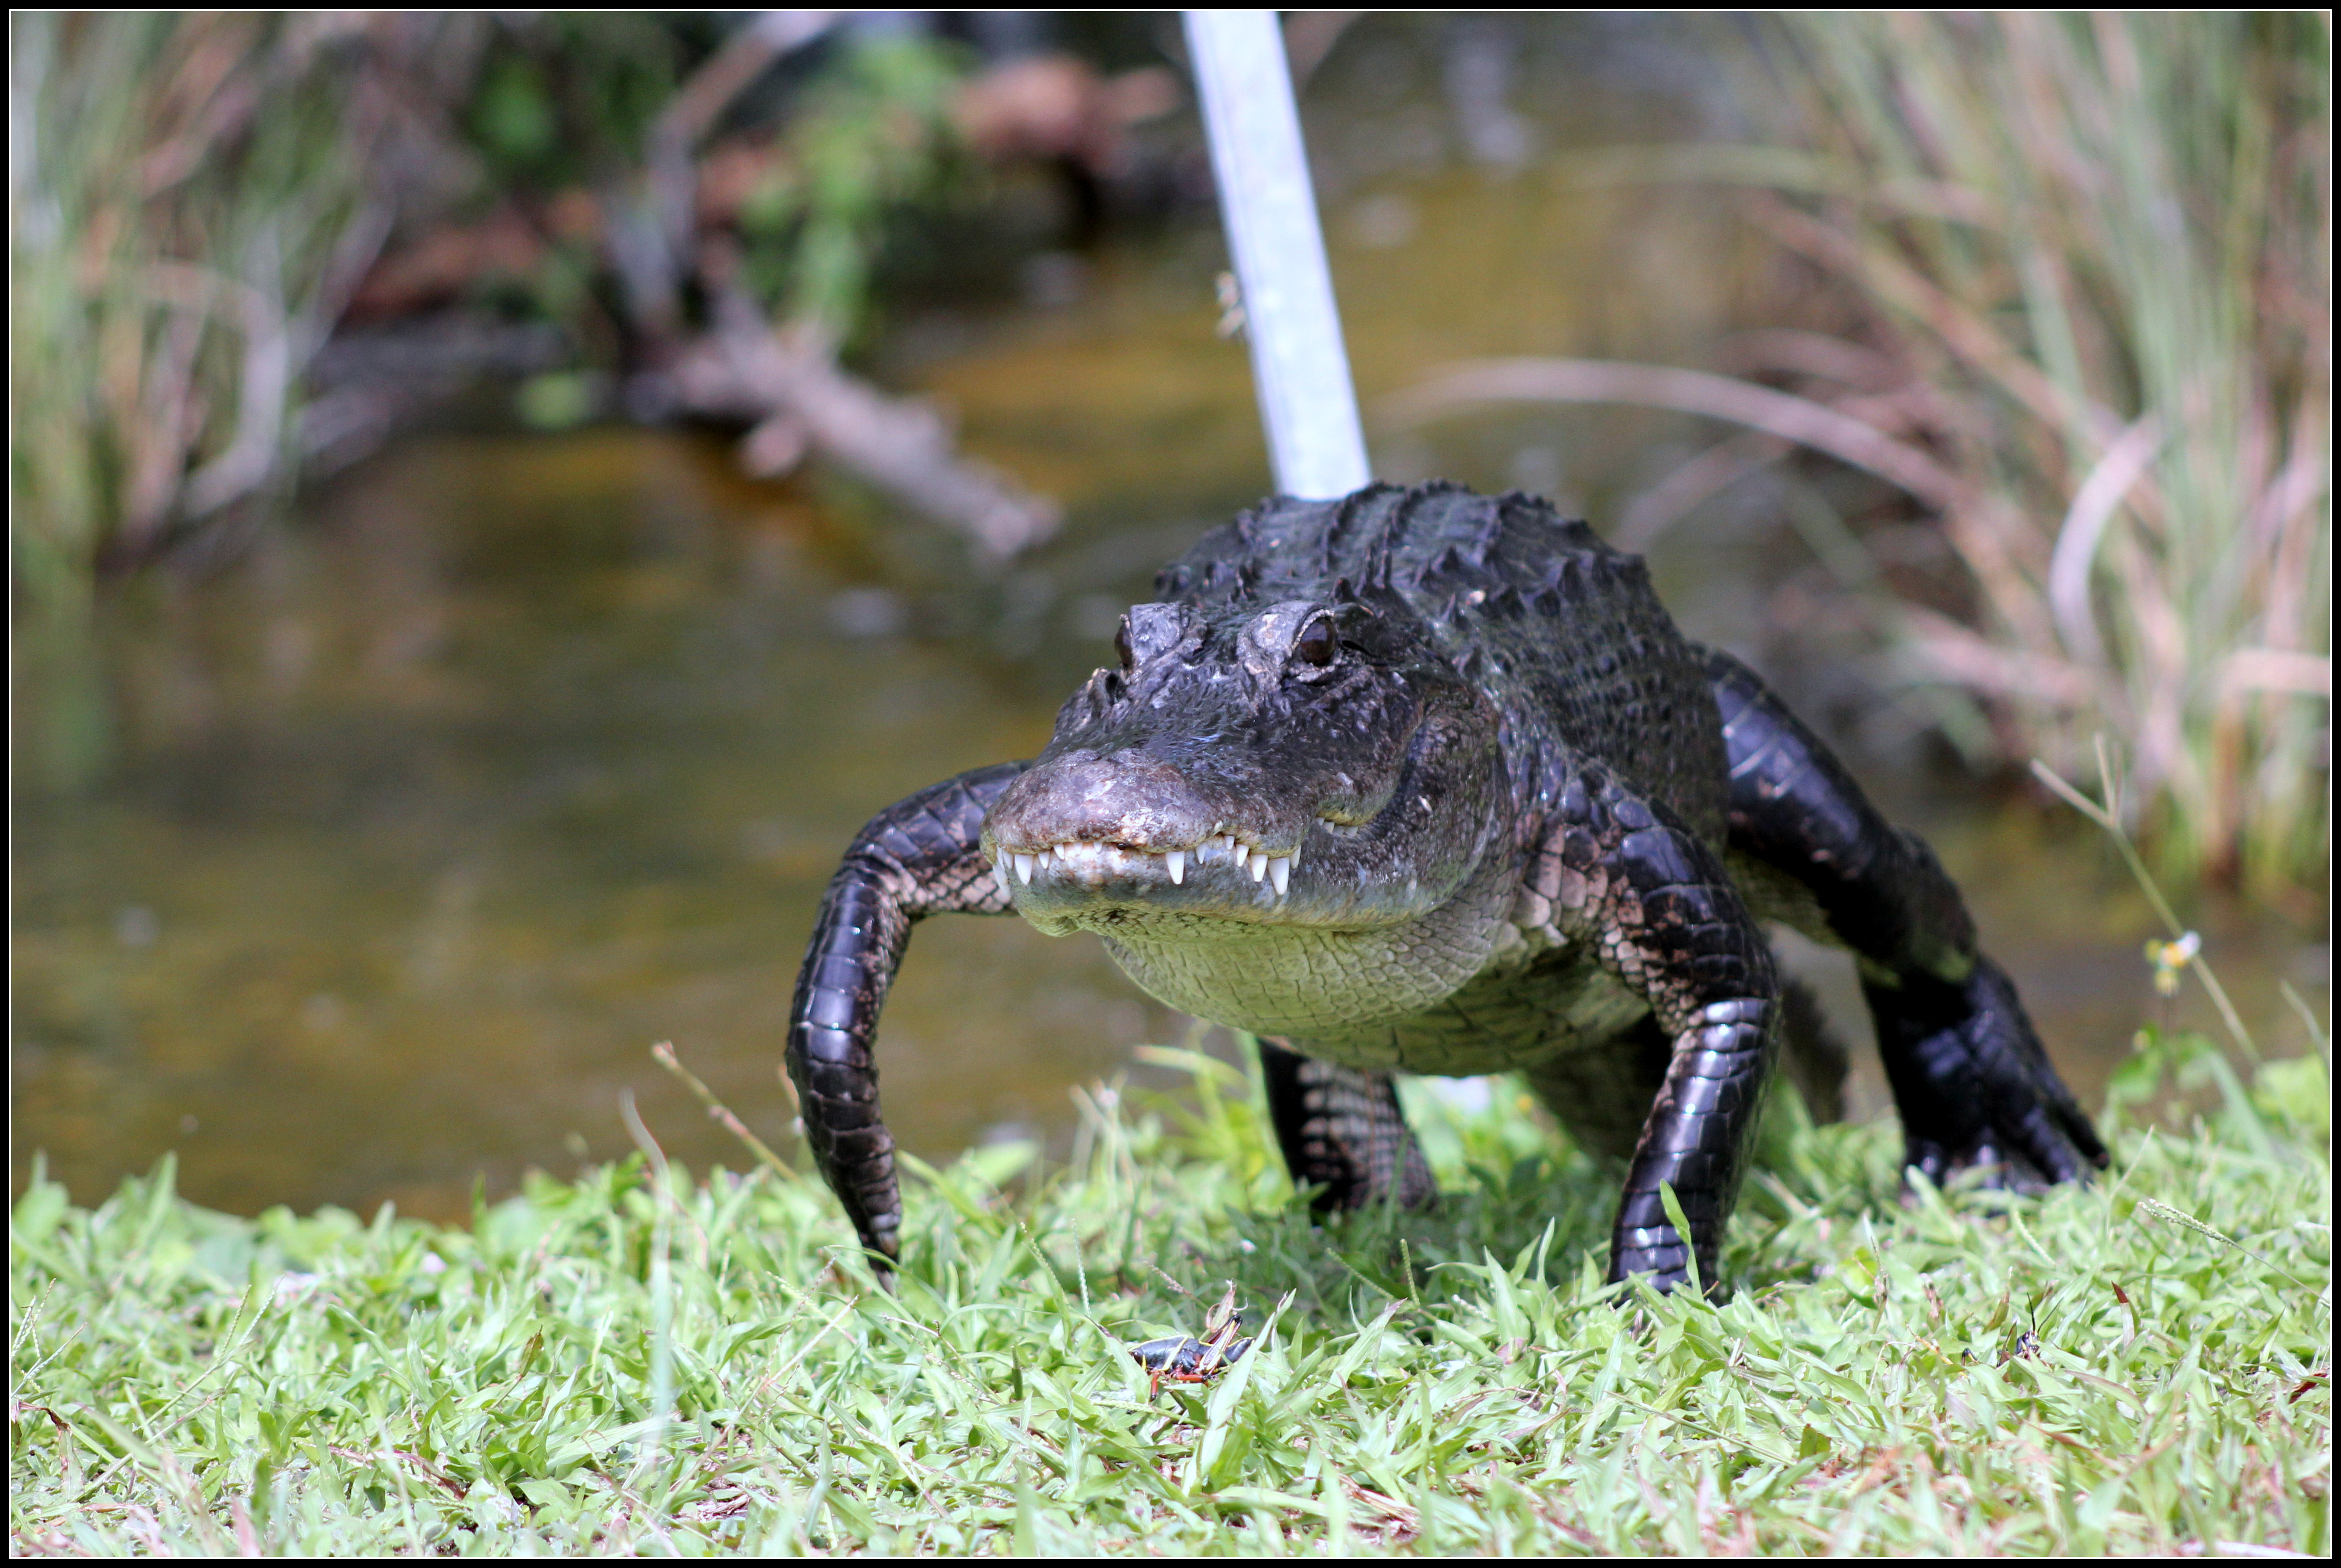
column 1426, row 781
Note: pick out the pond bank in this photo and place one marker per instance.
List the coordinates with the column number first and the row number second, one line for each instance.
column 627, row 1364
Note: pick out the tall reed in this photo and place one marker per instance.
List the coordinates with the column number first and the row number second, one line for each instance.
column 197, row 197
column 2099, row 246
column 185, row 191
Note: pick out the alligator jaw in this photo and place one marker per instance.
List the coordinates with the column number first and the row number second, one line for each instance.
column 1084, row 864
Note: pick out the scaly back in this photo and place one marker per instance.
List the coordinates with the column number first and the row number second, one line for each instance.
column 1562, row 633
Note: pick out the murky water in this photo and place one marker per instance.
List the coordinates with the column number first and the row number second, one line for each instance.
column 409, row 831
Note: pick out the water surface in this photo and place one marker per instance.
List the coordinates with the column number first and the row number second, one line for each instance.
column 394, row 842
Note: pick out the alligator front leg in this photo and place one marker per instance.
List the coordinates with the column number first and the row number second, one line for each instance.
column 1342, row 1132
column 917, row 857
column 1661, row 911
column 1972, row 1084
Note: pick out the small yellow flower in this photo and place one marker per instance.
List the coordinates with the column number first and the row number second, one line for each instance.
column 2169, row 957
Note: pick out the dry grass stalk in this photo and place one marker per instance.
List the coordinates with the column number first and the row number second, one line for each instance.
column 2091, row 253
column 190, row 209
column 2134, row 310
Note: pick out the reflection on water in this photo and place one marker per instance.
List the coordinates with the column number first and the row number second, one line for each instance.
column 431, row 818
column 434, row 817
column 413, row 830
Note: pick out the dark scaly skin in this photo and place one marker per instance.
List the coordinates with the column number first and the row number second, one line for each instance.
column 1972, row 1081
column 1672, row 926
column 1341, row 1132
column 1428, row 781
column 915, row 858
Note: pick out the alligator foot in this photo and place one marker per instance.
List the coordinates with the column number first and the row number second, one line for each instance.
column 1342, row 1132
column 1973, row 1085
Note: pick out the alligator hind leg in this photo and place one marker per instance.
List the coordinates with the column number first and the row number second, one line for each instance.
column 1970, row 1079
column 1342, row 1131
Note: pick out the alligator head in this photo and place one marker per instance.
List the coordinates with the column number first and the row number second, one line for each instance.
column 1311, row 767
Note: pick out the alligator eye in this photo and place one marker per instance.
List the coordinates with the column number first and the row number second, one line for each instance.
column 1315, row 645
column 1122, row 645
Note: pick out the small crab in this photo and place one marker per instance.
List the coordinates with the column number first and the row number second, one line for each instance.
column 1185, row 1359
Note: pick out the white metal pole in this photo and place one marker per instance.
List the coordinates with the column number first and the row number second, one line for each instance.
column 1300, row 369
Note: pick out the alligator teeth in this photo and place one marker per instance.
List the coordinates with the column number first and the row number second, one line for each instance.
column 1086, row 862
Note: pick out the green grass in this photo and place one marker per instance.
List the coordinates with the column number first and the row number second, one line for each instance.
column 630, row 1363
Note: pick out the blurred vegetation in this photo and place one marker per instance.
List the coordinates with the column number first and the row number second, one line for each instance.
column 565, row 98
column 202, row 200
column 2097, row 248
column 184, row 191
column 2090, row 254
column 868, row 144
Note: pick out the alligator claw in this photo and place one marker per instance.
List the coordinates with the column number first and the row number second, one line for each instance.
column 1974, row 1086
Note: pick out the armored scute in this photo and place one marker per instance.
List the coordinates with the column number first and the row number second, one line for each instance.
column 1427, row 781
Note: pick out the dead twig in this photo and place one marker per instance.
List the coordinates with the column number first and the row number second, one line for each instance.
column 746, row 370
column 1782, row 415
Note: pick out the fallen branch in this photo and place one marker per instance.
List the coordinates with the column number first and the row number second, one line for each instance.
column 783, row 383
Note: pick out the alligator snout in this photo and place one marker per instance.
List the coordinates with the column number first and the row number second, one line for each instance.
column 1084, row 825
column 1132, row 802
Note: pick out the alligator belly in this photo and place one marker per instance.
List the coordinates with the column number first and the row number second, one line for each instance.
column 1397, row 1017
column 1315, row 983
column 1567, row 1008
